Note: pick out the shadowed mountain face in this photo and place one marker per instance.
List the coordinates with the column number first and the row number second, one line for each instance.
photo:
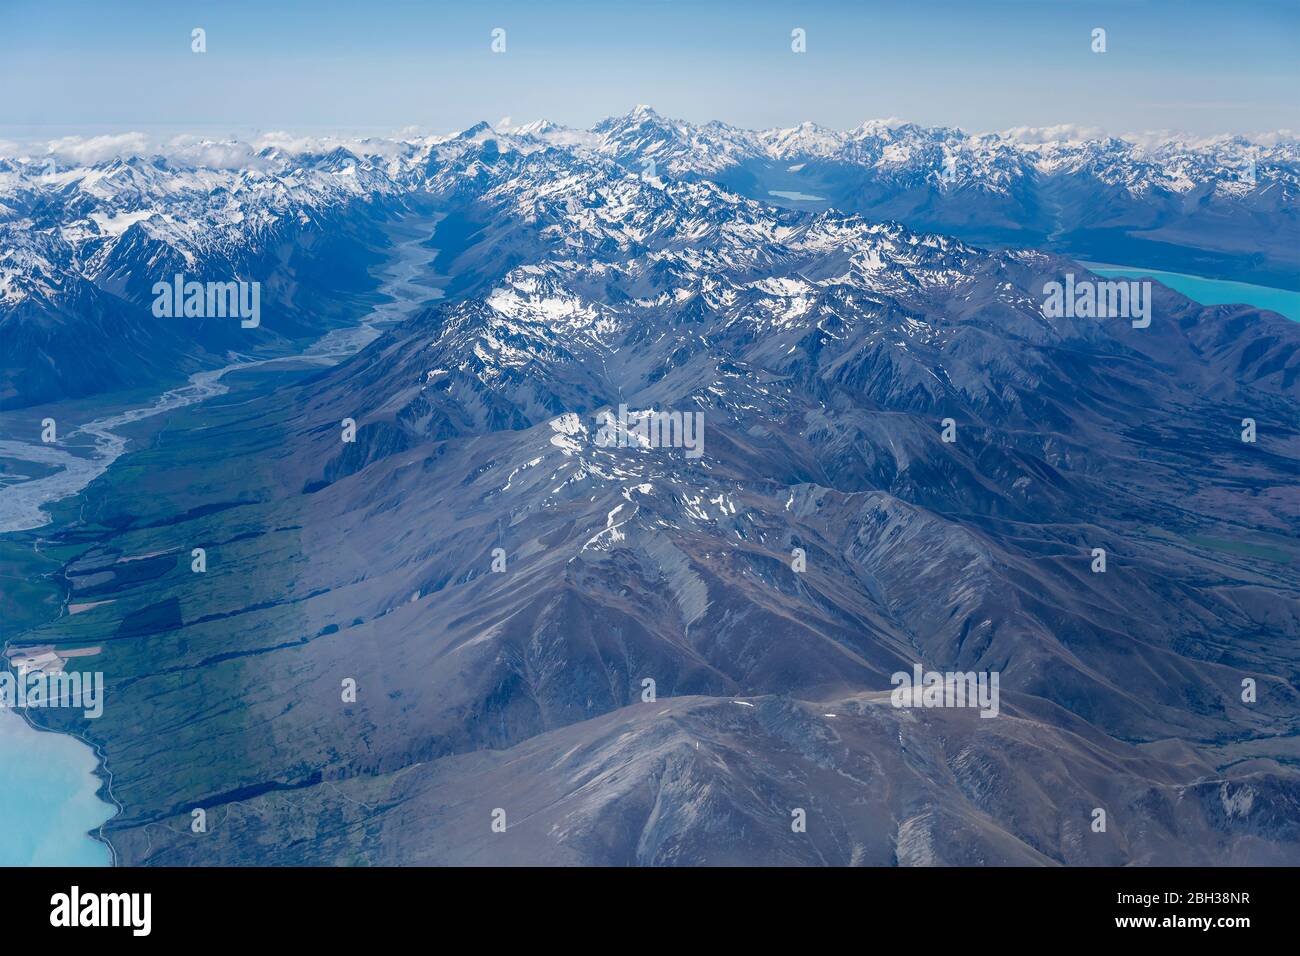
column 81, row 250
column 904, row 460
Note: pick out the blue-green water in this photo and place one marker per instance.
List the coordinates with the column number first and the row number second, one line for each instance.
column 1213, row 291
column 798, row 196
column 47, row 782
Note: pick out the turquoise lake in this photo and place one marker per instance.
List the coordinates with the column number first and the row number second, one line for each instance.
column 1212, row 291
column 790, row 194
column 47, row 785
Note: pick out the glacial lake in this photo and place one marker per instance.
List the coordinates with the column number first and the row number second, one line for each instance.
column 1212, row 291
column 47, row 798
column 796, row 196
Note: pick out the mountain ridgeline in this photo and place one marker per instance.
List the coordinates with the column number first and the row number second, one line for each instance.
column 437, row 598
column 81, row 246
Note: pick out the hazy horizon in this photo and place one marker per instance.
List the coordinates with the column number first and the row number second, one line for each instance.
column 1190, row 67
column 150, row 139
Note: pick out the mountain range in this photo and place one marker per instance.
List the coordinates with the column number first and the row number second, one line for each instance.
column 498, row 583
column 81, row 245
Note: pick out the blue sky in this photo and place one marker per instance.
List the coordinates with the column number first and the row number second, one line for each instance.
column 371, row 65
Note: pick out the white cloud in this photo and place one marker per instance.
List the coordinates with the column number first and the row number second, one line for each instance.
column 84, row 151
column 1275, row 138
column 227, row 154
column 1152, row 139
column 289, row 143
column 1060, row 133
